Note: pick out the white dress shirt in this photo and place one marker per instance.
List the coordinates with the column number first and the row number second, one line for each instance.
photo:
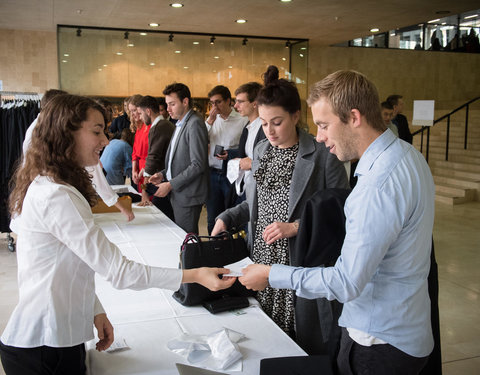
column 59, row 249
column 226, row 133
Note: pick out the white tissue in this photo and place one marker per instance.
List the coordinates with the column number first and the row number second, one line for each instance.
column 217, row 350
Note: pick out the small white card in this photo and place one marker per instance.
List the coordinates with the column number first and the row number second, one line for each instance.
column 118, row 345
column 237, row 267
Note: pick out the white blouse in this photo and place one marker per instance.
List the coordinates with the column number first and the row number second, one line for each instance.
column 59, row 249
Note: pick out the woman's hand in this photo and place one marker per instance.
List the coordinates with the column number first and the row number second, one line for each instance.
column 105, row 331
column 208, row 277
column 279, row 230
column 219, row 227
column 255, row 276
column 246, row 164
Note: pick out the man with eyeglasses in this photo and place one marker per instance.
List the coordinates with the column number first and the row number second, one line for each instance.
column 224, row 126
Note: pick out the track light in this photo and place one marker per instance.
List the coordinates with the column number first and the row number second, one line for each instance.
column 244, row 41
column 125, row 35
column 170, row 38
column 212, row 39
column 288, row 44
column 79, row 32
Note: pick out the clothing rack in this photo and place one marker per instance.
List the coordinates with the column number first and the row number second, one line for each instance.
column 17, row 111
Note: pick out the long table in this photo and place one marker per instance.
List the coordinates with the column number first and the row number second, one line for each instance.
column 148, row 319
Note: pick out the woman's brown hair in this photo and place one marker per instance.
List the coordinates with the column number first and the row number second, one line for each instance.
column 52, row 149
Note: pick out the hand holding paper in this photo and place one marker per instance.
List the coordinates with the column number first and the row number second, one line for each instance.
column 237, row 267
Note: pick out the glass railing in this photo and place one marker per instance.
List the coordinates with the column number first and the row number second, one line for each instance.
column 458, row 33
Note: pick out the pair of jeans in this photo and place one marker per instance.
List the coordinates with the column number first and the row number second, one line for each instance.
column 218, row 193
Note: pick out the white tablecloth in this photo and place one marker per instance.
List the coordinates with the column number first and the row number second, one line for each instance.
column 148, row 319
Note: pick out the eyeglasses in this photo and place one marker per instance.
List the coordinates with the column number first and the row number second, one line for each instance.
column 239, row 101
column 216, row 102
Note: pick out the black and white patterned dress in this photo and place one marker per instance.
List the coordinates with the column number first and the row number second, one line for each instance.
column 273, row 178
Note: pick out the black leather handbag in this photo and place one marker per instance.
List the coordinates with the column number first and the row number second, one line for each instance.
column 210, row 251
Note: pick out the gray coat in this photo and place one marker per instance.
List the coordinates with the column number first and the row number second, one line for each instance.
column 315, row 169
column 189, row 168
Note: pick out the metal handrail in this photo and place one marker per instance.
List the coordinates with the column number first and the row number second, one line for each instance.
column 447, row 116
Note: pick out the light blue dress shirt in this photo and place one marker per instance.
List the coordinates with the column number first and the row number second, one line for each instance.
column 173, row 142
column 381, row 274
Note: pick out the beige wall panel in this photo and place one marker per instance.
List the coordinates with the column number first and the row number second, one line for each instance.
column 28, row 60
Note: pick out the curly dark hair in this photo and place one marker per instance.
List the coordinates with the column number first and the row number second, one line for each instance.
column 52, row 149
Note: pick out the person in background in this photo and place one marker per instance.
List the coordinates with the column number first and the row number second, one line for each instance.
column 162, row 105
column 120, row 122
column 387, row 115
column 60, row 248
column 381, row 274
column 224, row 126
column 116, row 158
column 399, row 119
column 159, row 137
column 246, row 105
column 288, row 168
column 185, row 177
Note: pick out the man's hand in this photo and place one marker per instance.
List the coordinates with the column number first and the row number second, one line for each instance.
column 219, row 227
column 223, row 156
column 208, row 277
column 212, row 116
column 105, row 331
column 246, row 164
column 163, row 189
column 279, row 230
column 156, row 179
column 255, row 276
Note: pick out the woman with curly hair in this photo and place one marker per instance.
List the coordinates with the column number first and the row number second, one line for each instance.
column 60, row 247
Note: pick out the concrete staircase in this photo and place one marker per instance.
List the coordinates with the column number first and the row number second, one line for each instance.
column 458, row 179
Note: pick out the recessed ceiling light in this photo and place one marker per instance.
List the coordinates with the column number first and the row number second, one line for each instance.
column 143, row 34
column 152, row 63
column 178, row 51
column 285, row 1
column 216, row 57
column 153, row 24
column 301, row 54
column 130, row 45
column 284, row 59
column 66, row 54
column 472, row 16
column 240, row 21
column 105, row 65
column 435, row 20
column 176, row 5
column 196, row 42
column 230, row 67
column 99, row 69
column 303, row 48
column 119, row 53
column 374, row 30
column 185, row 67
column 64, row 61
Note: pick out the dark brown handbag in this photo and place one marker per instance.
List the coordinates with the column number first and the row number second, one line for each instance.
column 210, row 251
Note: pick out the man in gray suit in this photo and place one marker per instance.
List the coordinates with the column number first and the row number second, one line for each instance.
column 185, row 176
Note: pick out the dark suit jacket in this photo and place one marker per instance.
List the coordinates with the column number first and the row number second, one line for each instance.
column 403, row 129
column 158, row 140
column 189, row 169
column 243, row 140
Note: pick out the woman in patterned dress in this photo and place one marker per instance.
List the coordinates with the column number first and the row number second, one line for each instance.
column 288, row 168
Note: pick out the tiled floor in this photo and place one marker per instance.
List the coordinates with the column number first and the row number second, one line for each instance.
column 457, row 246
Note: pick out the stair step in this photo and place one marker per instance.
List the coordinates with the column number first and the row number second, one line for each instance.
column 466, row 175
column 454, row 145
column 470, row 167
column 441, row 179
column 454, row 191
column 450, row 200
column 452, row 152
